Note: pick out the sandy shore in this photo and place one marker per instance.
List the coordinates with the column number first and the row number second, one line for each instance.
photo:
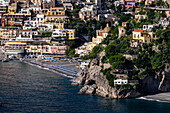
column 52, row 66
column 161, row 97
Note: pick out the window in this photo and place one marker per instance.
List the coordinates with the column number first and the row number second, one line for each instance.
column 135, row 35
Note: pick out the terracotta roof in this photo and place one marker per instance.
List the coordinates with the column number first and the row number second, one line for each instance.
column 101, row 34
column 137, row 30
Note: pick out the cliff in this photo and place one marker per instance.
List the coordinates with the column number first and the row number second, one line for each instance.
column 157, row 83
column 94, row 82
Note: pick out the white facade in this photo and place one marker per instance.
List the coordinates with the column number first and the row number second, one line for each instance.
column 31, row 24
column 120, row 82
column 164, row 22
column 61, row 32
column 147, row 27
column 5, row 2
column 84, row 64
column 26, row 35
column 45, row 27
column 39, row 18
column 35, row 9
column 68, row 6
column 83, row 50
column 25, row 11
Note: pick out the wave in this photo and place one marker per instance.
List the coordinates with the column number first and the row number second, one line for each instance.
column 72, row 80
column 151, row 99
column 144, row 98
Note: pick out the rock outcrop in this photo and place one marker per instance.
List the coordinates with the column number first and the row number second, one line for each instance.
column 95, row 83
column 157, row 83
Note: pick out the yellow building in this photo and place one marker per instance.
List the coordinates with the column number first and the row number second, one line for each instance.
column 71, row 34
column 58, row 25
column 12, row 8
column 38, row 48
column 55, row 18
column 15, row 48
column 6, row 35
column 101, row 35
column 90, row 46
column 148, row 2
column 53, row 11
column 141, row 36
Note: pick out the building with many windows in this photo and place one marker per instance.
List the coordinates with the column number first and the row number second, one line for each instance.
column 64, row 34
column 88, row 12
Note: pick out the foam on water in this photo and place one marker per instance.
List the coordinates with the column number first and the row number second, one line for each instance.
column 150, row 99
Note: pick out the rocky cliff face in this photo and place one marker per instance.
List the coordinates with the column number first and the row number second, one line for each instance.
column 157, row 83
column 94, row 82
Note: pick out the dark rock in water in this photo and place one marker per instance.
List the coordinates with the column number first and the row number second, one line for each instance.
column 0, row 105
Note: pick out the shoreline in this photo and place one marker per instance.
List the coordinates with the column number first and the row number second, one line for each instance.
column 49, row 67
column 160, row 97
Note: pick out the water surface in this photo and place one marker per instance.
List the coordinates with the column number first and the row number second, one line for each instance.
column 26, row 88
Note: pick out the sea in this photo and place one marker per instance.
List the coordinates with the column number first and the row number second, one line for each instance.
column 29, row 89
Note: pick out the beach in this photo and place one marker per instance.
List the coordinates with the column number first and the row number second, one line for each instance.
column 160, row 97
column 63, row 67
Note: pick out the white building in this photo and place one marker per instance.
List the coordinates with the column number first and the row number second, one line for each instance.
column 164, row 22
column 120, row 82
column 147, row 27
column 40, row 18
column 85, row 49
column 68, row 6
column 5, row 2
column 30, row 24
column 63, row 33
column 45, row 27
column 84, row 64
column 88, row 12
column 35, row 9
column 26, row 35
column 25, row 11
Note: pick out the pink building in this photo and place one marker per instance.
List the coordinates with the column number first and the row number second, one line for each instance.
column 58, row 49
column 129, row 4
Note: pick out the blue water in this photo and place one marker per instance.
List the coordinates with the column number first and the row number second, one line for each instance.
column 25, row 88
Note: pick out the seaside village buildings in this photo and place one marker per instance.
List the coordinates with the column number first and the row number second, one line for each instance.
column 40, row 27
column 33, row 28
column 29, row 26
